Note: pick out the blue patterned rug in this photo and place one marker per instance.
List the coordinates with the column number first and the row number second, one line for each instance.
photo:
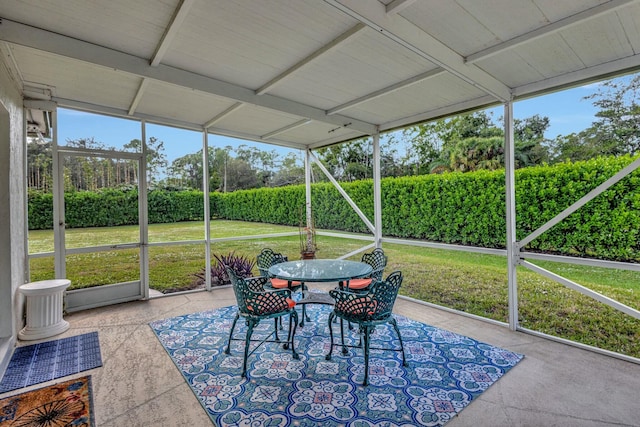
column 446, row 372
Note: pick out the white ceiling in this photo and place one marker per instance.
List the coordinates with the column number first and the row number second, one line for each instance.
column 308, row 73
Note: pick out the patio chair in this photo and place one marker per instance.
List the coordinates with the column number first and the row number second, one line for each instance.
column 268, row 257
column 378, row 261
column 367, row 310
column 256, row 304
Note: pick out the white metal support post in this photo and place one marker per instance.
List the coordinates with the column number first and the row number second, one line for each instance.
column 307, row 181
column 513, row 250
column 207, row 212
column 26, row 261
column 377, row 193
column 58, row 205
column 143, row 215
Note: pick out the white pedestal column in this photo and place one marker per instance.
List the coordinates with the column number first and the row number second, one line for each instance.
column 44, row 309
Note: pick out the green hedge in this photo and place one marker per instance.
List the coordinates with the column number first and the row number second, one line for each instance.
column 115, row 207
column 606, row 227
column 467, row 209
column 271, row 205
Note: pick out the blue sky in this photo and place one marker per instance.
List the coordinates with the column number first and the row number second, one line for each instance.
column 567, row 110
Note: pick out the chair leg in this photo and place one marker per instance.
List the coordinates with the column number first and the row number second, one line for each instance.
column 250, row 325
column 395, row 326
column 275, row 327
column 304, row 310
column 366, row 355
column 331, row 319
column 344, row 347
column 293, row 322
column 304, row 316
column 233, row 326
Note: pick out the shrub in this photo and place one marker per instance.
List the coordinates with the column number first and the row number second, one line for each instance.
column 457, row 208
column 240, row 264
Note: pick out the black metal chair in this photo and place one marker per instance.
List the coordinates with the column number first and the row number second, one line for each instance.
column 378, row 261
column 256, row 304
column 368, row 310
column 268, row 257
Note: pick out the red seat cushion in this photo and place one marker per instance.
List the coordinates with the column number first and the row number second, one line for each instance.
column 283, row 284
column 359, row 283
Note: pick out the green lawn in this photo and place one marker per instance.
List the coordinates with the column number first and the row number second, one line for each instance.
column 471, row 282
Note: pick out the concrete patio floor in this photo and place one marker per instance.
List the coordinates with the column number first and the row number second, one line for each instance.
column 555, row 384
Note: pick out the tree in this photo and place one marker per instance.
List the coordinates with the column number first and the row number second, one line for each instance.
column 240, row 175
column 349, row 161
column 291, row 171
column 619, row 116
column 263, row 162
column 186, row 171
column 39, row 166
column 390, row 162
column 583, row 145
column 353, row 160
column 531, row 147
column 423, row 147
column 156, row 159
column 472, row 141
column 439, row 146
column 476, row 153
column 616, row 130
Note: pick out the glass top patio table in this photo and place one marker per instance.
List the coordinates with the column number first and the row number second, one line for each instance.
column 320, row 270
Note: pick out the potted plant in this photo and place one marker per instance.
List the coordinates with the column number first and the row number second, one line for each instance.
column 308, row 246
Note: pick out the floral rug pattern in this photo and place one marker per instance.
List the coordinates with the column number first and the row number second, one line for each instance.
column 446, row 372
column 64, row 404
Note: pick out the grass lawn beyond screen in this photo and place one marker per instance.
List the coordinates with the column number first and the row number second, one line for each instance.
column 470, row 282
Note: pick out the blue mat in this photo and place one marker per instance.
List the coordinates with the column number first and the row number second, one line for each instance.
column 45, row 361
column 446, row 372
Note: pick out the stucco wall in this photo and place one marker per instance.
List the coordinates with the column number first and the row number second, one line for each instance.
column 12, row 213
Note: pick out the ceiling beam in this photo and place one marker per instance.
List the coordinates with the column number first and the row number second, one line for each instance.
column 630, row 64
column 149, row 118
column 123, row 113
column 136, row 100
column 315, row 55
column 439, row 113
column 224, row 114
column 40, row 92
column 255, row 138
column 8, row 59
column 349, row 136
column 548, row 29
column 387, row 90
column 397, row 6
column 285, row 129
column 171, row 31
column 373, row 14
column 58, row 44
